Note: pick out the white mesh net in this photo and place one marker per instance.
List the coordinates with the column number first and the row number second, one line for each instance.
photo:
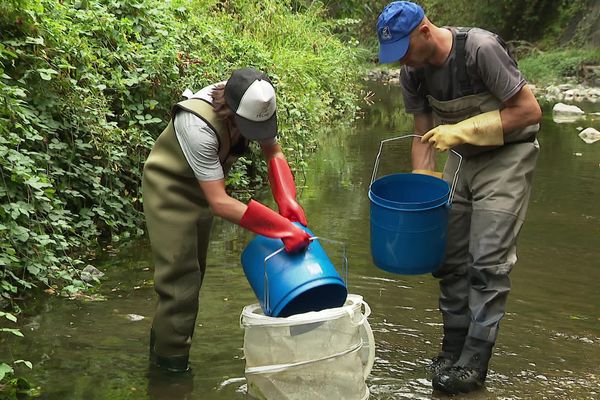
column 317, row 355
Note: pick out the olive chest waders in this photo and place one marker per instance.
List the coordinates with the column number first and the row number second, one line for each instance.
column 488, row 210
column 178, row 220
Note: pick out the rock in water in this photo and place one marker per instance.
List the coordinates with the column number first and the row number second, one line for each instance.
column 589, row 135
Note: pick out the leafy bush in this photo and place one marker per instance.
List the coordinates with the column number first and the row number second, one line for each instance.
column 10, row 386
column 552, row 67
column 86, row 87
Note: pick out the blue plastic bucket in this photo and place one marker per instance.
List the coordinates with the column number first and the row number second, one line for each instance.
column 287, row 284
column 409, row 222
column 409, row 219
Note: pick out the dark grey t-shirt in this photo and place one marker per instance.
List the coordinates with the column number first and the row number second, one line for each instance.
column 489, row 67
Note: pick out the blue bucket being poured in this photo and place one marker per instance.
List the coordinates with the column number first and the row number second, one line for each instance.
column 409, row 220
column 288, row 284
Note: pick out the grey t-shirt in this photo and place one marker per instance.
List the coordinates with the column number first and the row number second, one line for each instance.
column 489, row 68
column 199, row 142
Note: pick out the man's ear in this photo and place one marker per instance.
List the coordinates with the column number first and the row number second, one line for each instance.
column 425, row 30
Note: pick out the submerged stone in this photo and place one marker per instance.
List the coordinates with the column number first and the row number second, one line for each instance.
column 589, row 135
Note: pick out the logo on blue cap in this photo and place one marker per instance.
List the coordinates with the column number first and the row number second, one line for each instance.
column 394, row 25
column 385, row 33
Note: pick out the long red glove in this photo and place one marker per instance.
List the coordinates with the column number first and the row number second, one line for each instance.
column 262, row 220
column 284, row 190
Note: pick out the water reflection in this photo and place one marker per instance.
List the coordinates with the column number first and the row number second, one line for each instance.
column 163, row 385
column 550, row 341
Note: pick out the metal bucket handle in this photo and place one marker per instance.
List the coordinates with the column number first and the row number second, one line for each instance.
column 266, row 294
column 454, row 179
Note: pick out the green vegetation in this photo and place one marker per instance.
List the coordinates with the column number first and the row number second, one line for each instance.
column 12, row 387
column 553, row 39
column 544, row 21
column 86, row 86
column 553, row 67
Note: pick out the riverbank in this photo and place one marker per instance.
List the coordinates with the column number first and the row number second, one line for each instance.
column 87, row 89
column 551, row 306
column 569, row 91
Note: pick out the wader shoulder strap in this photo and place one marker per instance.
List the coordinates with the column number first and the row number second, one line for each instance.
column 204, row 110
column 461, row 62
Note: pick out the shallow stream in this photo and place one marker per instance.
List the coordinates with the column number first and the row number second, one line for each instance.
column 549, row 342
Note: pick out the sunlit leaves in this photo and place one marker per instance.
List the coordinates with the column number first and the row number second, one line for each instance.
column 86, row 88
column 46, row 73
column 34, row 40
column 4, row 370
column 28, row 364
column 15, row 332
column 8, row 316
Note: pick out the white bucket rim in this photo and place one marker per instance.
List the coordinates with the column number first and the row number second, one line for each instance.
column 252, row 314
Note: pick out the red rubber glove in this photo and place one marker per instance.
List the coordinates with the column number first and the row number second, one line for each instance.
column 284, row 190
column 262, row 220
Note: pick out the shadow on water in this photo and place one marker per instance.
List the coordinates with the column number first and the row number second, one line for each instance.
column 549, row 345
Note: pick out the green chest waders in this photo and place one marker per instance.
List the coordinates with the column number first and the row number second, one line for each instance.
column 488, row 209
column 178, row 220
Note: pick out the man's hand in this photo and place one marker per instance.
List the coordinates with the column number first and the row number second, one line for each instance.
column 428, row 172
column 481, row 130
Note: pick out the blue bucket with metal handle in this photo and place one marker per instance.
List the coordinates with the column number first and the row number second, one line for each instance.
column 409, row 219
column 288, row 284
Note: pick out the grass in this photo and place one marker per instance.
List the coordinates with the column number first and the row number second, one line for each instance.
column 550, row 67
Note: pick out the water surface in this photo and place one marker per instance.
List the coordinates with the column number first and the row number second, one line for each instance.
column 549, row 342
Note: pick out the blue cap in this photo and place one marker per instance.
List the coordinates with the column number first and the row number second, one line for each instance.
column 394, row 25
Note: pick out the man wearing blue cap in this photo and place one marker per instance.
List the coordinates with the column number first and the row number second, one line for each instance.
column 467, row 95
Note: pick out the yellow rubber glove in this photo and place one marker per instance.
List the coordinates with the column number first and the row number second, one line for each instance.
column 428, row 172
column 481, row 130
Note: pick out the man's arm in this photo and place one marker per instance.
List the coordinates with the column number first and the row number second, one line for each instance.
column 489, row 128
column 520, row 110
column 423, row 154
column 500, row 74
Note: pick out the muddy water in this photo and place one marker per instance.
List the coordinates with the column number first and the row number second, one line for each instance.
column 549, row 343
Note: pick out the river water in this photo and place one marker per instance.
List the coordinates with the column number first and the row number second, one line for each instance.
column 549, row 342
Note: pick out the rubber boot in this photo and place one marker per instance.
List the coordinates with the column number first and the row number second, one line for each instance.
column 469, row 372
column 452, row 345
column 454, row 281
column 453, row 304
column 172, row 364
column 166, row 385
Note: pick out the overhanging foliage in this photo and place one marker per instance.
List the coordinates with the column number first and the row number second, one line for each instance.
column 86, row 86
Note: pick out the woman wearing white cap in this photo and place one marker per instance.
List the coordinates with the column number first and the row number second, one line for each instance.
column 184, row 186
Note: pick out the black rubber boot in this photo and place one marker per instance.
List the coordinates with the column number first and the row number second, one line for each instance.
column 459, row 380
column 440, row 364
column 452, row 345
column 173, row 364
column 167, row 385
column 469, row 372
column 453, row 341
